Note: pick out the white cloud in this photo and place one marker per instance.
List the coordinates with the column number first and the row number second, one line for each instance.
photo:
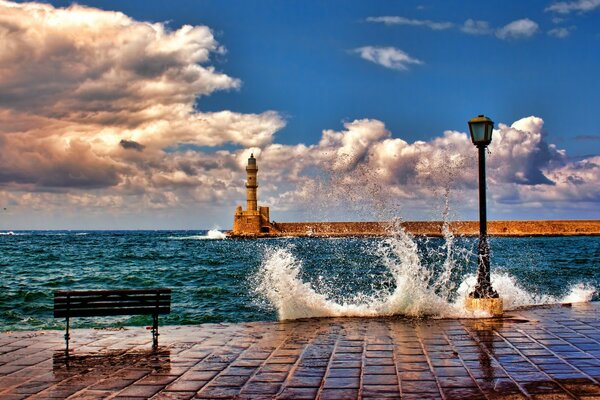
column 476, row 27
column 389, row 57
column 396, row 20
column 560, row 32
column 519, row 29
column 581, row 6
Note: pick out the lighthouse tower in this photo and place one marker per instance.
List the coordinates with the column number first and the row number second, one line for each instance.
column 251, row 184
column 254, row 221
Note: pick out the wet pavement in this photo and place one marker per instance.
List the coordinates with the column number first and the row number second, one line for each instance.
column 541, row 353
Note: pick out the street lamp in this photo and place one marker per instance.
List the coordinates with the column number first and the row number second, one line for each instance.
column 484, row 297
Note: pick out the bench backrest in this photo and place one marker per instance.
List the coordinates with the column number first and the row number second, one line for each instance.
column 99, row 303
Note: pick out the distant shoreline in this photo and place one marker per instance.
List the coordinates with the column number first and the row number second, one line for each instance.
column 430, row 228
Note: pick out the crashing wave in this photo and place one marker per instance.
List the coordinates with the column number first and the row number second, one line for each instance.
column 417, row 292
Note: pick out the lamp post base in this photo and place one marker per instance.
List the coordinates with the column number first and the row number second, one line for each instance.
column 492, row 306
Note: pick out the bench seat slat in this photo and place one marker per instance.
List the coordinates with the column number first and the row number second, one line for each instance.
column 108, row 304
column 114, row 299
column 101, row 312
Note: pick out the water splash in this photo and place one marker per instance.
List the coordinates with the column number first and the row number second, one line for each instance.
column 213, row 234
column 424, row 284
column 514, row 295
column 216, row 234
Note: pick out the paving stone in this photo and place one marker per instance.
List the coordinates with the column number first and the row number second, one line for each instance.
column 145, row 391
column 305, row 381
column 298, row 393
column 338, row 394
column 90, row 395
column 464, row 393
column 166, row 395
column 183, row 385
column 270, row 376
column 344, row 373
column 230, row 380
column 261, row 388
column 215, row 392
column 380, row 390
column 380, row 379
column 157, row 380
column 342, row 383
column 346, row 364
column 419, row 387
column 113, row 384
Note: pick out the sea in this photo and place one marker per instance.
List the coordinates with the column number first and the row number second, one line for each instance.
column 217, row 279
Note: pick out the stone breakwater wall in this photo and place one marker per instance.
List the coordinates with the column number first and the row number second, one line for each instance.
column 433, row 228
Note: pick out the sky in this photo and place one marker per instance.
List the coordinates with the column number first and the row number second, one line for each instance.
column 142, row 114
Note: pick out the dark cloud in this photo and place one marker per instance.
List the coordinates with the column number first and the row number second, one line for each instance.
column 131, row 145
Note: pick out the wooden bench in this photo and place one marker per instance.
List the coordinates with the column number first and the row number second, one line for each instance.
column 102, row 303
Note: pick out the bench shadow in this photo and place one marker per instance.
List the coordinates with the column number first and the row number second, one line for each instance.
column 158, row 360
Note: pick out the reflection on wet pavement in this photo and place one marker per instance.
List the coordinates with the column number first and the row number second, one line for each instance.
column 546, row 353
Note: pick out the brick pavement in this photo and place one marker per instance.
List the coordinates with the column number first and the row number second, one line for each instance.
column 540, row 353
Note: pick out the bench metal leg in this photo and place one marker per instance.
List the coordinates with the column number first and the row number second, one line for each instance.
column 155, row 331
column 67, row 339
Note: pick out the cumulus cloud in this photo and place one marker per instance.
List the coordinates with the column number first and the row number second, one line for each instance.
column 519, row 29
column 567, row 7
column 396, row 20
column 389, row 57
column 82, row 87
column 365, row 163
column 80, row 62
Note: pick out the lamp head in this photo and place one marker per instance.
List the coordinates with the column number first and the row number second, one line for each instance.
column 481, row 128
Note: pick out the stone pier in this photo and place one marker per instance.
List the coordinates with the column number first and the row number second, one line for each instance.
column 537, row 353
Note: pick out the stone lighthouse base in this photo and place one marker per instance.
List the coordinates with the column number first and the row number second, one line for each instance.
column 488, row 305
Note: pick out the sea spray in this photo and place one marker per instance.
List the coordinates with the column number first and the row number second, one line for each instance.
column 213, row 234
column 514, row 295
column 279, row 280
column 216, row 234
column 424, row 283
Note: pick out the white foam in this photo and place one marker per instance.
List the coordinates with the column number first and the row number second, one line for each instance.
column 514, row 295
column 9, row 233
column 213, row 234
column 417, row 292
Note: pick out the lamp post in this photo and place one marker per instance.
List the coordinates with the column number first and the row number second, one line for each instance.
column 484, row 297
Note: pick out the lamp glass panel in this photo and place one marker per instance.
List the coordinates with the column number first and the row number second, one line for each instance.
column 478, row 132
column 489, row 127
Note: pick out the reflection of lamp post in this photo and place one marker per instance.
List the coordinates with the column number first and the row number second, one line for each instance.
column 484, row 297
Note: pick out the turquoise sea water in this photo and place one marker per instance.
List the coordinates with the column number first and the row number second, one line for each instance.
column 216, row 280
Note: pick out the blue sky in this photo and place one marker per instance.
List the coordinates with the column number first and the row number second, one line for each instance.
column 141, row 114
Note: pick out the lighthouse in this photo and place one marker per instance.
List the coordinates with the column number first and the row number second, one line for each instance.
column 254, row 221
column 251, row 184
